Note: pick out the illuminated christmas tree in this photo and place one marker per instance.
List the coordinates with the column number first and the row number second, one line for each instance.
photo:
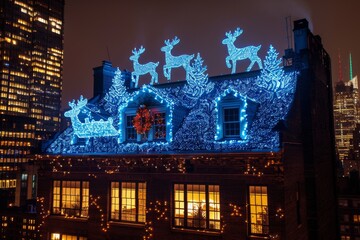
column 272, row 75
column 117, row 93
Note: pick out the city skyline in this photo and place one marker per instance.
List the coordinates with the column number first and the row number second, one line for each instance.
column 110, row 31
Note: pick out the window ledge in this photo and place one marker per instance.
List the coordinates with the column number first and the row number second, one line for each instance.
column 254, row 237
column 193, row 231
column 62, row 217
column 127, row 224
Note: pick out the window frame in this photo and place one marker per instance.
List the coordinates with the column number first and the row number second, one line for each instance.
column 138, row 215
column 151, row 133
column 185, row 203
column 250, row 224
column 229, row 102
column 62, row 210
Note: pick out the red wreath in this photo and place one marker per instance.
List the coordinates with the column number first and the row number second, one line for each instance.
column 143, row 120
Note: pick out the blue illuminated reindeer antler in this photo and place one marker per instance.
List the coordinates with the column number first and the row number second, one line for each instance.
column 236, row 54
column 142, row 69
column 175, row 61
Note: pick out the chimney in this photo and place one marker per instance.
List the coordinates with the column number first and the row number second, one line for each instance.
column 301, row 31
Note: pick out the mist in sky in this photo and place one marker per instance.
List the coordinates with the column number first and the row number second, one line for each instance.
column 111, row 29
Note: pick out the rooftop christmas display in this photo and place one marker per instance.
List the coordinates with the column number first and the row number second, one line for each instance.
column 235, row 112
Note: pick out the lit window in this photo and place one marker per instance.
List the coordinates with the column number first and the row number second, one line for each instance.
column 128, row 201
column 73, row 196
column 356, row 218
column 197, row 206
column 130, row 130
column 259, row 215
column 58, row 236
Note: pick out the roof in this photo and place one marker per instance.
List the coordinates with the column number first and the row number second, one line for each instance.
column 193, row 106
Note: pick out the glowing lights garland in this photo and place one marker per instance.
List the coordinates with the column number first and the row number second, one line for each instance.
column 104, row 225
column 159, row 211
column 43, row 213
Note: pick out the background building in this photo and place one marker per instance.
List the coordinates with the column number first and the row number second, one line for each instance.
column 31, row 48
column 346, row 118
column 349, row 206
column 31, row 62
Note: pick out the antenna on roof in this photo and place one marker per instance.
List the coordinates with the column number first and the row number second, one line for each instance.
column 350, row 70
column 107, row 49
column 289, row 31
column 340, row 69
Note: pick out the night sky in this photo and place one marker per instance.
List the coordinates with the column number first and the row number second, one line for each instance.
column 110, row 29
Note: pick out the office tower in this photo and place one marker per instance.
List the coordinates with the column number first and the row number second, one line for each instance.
column 31, row 48
column 346, row 116
column 31, row 61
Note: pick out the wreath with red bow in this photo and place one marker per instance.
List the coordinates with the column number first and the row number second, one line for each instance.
column 143, row 120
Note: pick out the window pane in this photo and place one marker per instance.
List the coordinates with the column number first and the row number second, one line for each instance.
column 142, row 202
column 130, row 130
column 71, row 198
column 179, row 204
column 259, row 218
column 55, row 236
column 214, row 207
column 128, row 201
column 196, row 206
column 115, row 200
column 159, row 126
column 85, row 200
column 56, row 197
column 231, row 122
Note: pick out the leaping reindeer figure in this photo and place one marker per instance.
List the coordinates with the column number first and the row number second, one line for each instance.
column 236, row 54
column 142, row 69
column 175, row 61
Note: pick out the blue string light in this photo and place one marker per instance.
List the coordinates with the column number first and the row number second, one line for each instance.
column 193, row 113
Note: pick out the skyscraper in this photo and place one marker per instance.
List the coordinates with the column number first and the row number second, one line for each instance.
column 346, row 116
column 31, row 61
column 31, row 48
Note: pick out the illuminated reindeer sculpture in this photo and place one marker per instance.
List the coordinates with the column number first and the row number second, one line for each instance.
column 175, row 61
column 142, row 69
column 236, row 54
